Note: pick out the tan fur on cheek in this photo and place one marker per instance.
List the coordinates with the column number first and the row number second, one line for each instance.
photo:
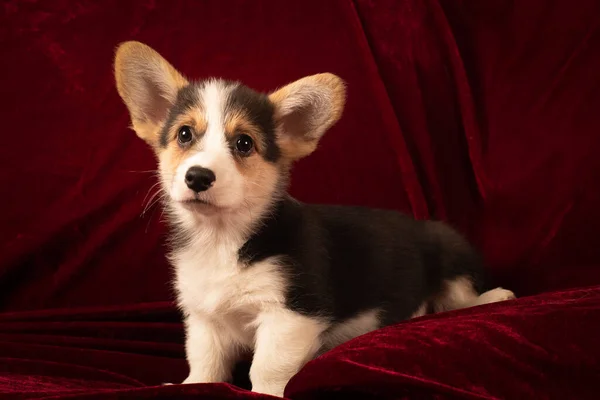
column 260, row 177
column 170, row 159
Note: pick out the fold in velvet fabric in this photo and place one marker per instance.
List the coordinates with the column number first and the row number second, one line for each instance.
column 536, row 347
column 484, row 114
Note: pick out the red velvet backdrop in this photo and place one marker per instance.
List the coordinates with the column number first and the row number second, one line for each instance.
column 484, row 114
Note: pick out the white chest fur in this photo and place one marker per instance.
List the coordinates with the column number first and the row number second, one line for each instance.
column 211, row 281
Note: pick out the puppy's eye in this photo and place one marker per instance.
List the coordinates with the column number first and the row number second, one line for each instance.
column 244, row 145
column 184, row 135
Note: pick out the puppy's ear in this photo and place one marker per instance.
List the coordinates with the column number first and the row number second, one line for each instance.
column 304, row 110
column 148, row 85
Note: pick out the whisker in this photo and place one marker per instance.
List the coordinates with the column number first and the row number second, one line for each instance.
column 149, row 190
column 157, row 200
column 156, row 197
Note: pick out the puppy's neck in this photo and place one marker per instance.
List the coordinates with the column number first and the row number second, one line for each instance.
column 229, row 228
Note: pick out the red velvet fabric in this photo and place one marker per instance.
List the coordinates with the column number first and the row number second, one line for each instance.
column 483, row 114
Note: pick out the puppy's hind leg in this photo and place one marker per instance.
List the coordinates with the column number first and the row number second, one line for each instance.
column 462, row 273
column 456, row 293
column 460, row 293
column 494, row 296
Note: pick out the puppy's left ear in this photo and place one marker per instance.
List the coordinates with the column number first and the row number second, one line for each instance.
column 305, row 110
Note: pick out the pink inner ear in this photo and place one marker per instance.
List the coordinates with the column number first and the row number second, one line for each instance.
column 298, row 123
column 155, row 106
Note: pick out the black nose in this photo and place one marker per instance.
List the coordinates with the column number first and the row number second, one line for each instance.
column 199, row 179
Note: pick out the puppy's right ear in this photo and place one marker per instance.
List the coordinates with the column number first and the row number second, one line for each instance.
column 148, row 85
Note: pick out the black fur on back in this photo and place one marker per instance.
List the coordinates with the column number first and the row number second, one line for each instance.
column 342, row 260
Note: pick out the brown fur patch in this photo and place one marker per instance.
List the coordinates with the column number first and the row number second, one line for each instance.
column 193, row 118
column 259, row 174
column 173, row 154
column 237, row 122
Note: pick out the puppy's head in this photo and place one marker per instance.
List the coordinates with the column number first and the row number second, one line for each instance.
column 221, row 145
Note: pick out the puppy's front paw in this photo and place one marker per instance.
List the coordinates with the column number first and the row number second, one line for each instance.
column 165, row 384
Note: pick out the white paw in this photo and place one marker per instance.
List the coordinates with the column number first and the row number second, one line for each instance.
column 166, row 384
column 496, row 295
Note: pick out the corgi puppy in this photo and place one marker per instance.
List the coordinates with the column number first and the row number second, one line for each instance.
column 257, row 271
